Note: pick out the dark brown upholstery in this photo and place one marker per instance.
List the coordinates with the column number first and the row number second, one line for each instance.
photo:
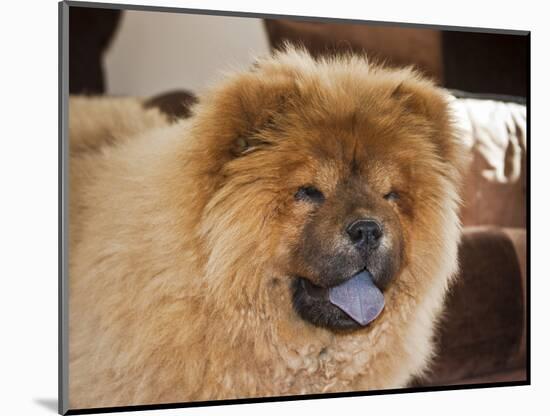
column 175, row 104
column 475, row 62
column 389, row 44
column 482, row 332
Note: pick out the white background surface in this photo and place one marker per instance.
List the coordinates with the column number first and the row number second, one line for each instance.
column 153, row 52
column 28, row 220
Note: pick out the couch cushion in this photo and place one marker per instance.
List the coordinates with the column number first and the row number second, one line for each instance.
column 482, row 333
column 174, row 104
column 495, row 185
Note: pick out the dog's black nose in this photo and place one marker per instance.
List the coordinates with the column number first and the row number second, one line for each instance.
column 365, row 233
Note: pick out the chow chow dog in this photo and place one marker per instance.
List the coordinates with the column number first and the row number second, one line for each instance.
column 297, row 234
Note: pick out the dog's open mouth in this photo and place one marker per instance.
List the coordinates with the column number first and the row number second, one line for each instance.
column 349, row 305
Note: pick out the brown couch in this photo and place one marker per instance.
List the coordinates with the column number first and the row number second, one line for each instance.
column 483, row 332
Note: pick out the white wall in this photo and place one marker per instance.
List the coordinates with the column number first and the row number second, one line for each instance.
column 153, row 52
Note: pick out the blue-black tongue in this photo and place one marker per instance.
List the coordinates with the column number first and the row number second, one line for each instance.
column 359, row 298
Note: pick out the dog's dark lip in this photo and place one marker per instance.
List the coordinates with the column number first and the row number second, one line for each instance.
column 320, row 291
column 312, row 289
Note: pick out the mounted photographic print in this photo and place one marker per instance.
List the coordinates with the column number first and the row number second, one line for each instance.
column 275, row 208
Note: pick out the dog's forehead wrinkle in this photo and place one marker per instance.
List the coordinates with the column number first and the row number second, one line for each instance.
column 353, row 164
column 353, row 189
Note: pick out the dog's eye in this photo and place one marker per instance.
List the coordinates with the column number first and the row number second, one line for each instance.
column 392, row 196
column 309, row 193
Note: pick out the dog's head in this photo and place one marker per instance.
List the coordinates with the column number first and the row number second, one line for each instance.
column 320, row 170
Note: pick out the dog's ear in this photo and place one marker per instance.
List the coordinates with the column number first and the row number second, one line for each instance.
column 262, row 106
column 423, row 101
column 416, row 99
column 245, row 112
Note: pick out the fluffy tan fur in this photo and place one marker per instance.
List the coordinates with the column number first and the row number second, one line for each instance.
column 178, row 285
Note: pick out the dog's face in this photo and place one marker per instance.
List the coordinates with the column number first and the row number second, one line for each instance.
column 351, row 222
column 358, row 196
column 327, row 172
